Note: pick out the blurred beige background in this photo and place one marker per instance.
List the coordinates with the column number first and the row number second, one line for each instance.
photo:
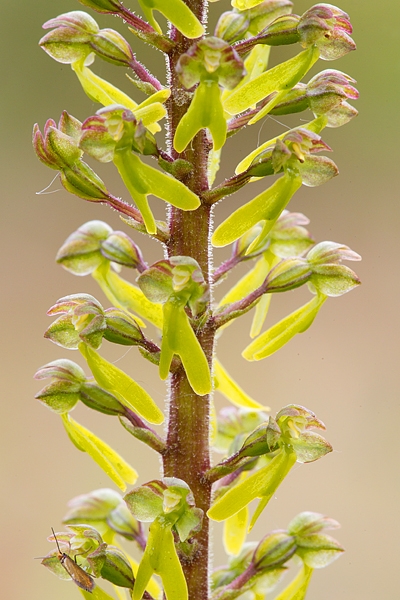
column 345, row 367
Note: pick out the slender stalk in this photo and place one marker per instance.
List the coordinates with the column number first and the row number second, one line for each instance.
column 187, row 455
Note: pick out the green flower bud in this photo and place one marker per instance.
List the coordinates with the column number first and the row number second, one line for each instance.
column 60, row 152
column 96, row 398
column 241, row 246
column 232, row 26
column 325, row 94
column 70, row 40
column 122, row 522
column 263, row 440
column 112, row 47
column 60, row 396
column 63, row 393
column 121, row 328
column 106, row 511
column 146, row 502
column 62, row 370
column 282, row 31
column 329, row 277
column 236, row 423
column 310, row 523
column 288, row 237
column 274, row 550
column 288, row 274
column 96, row 139
column 81, row 252
column 82, row 181
column 265, row 13
column 318, row 551
column 119, row 248
column 116, row 568
column 179, row 277
column 83, row 320
column 326, row 253
column 94, row 506
column 143, row 141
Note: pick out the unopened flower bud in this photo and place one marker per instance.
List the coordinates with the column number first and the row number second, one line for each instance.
column 82, row 319
column 116, row 568
column 329, row 277
column 70, row 40
column 331, row 253
column 81, row 252
column 265, row 13
column 327, row 27
column 318, row 551
column 96, row 140
column 282, row 31
column 274, row 550
column 63, row 393
column 121, row 328
column 310, row 523
column 62, row 370
column 240, row 247
column 112, row 47
column 96, row 398
column 232, row 26
column 288, row 237
column 82, row 181
column 119, row 248
column 288, row 274
column 328, row 89
column 263, row 440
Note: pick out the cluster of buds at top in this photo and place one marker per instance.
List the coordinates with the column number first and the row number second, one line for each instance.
column 212, row 63
column 323, row 25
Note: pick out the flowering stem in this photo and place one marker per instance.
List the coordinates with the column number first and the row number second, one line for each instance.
column 187, row 455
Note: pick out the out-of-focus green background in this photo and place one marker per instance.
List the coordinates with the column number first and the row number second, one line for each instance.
column 345, row 368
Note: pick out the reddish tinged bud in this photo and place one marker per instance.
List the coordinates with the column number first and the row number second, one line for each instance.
column 327, row 27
